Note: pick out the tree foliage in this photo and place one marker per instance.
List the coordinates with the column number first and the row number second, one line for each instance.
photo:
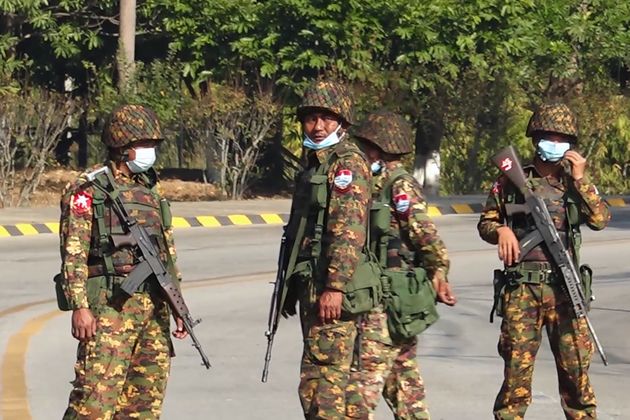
column 466, row 74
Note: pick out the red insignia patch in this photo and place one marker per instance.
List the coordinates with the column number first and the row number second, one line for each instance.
column 402, row 203
column 81, row 203
column 506, row 164
column 343, row 180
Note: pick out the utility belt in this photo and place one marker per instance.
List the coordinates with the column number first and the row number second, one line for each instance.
column 532, row 272
column 99, row 270
column 535, row 272
column 97, row 283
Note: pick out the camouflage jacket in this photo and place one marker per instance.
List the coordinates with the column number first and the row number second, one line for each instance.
column 411, row 223
column 593, row 210
column 78, row 231
column 344, row 237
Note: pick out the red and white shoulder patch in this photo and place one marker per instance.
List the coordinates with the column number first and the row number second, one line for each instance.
column 343, row 180
column 81, row 203
column 402, row 202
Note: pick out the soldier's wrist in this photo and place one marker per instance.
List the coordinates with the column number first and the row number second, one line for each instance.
column 335, row 286
column 76, row 304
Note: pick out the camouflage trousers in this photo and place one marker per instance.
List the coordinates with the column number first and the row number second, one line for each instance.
column 325, row 367
column 386, row 368
column 121, row 373
column 527, row 308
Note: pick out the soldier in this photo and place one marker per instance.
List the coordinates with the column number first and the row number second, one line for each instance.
column 388, row 363
column 123, row 358
column 326, row 236
column 532, row 295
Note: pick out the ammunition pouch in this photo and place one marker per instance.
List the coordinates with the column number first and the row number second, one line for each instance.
column 94, row 288
column 586, row 277
column 62, row 301
column 364, row 291
column 410, row 304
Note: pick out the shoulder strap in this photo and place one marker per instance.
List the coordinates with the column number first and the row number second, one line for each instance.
column 385, row 198
column 572, row 214
column 98, row 202
column 386, row 192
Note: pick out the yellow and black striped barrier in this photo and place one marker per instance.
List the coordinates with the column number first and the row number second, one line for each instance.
column 27, row 229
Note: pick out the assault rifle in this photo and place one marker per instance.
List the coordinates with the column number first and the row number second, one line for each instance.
column 507, row 160
column 276, row 303
column 150, row 262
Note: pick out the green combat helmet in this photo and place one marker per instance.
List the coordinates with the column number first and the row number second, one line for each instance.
column 330, row 96
column 554, row 118
column 387, row 130
column 130, row 123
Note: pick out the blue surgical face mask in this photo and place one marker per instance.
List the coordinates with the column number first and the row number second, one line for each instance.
column 145, row 158
column 551, row 151
column 376, row 167
column 330, row 140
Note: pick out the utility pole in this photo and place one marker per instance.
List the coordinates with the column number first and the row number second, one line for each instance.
column 126, row 43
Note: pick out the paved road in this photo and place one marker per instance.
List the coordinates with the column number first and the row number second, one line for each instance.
column 227, row 272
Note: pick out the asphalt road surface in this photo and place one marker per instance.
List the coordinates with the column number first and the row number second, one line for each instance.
column 227, row 273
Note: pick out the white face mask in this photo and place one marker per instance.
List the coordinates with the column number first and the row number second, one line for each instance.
column 145, row 158
column 332, row 139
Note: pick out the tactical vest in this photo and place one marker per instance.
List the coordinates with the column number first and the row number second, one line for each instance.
column 307, row 263
column 106, row 263
column 408, row 294
column 564, row 210
column 145, row 205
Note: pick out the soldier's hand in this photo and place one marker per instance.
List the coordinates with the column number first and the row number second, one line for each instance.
column 180, row 332
column 578, row 164
column 330, row 305
column 83, row 324
column 443, row 290
column 509, row 250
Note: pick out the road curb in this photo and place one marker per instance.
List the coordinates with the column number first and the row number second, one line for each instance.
column 29, row 229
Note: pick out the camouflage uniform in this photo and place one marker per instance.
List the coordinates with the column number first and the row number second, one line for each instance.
column 534, row 297
column 336, row 251
column 390, row 367
column 122, row 371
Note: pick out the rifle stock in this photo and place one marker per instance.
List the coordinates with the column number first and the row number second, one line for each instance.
column 507, row 160
column 509, row 163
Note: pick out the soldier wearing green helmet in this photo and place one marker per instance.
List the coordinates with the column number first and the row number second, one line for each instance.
column 325, row 242
column 124, row 350
column 412, row 257
column 529, row 292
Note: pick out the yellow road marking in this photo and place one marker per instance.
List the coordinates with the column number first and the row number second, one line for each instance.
column 433, row 211
column 616, row 202
column 208, row 221
column 13, row 394
column 462, row 209
column 271, row 218
column 4, row 232
column 26, row 229
column 54, row 227
column 180, row 222
column 240, row 219
column 14, row 400
column 22, row 307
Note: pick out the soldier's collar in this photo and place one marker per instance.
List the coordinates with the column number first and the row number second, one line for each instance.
column 322, row 154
